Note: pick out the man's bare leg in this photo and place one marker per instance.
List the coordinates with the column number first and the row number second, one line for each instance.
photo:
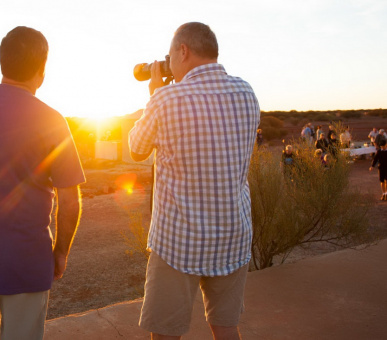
column 225, row 333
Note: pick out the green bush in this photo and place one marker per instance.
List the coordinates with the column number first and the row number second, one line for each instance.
column 311, row 204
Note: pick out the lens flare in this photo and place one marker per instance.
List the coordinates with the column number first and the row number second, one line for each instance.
column 127, row 182
column 130, row 194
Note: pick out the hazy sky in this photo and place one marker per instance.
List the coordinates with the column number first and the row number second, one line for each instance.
column 296, row 54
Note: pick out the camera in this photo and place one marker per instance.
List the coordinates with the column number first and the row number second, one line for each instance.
column 143, row 71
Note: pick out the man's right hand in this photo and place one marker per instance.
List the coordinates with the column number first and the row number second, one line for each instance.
column 156, row 78
column 60, row 265
column 68, row 214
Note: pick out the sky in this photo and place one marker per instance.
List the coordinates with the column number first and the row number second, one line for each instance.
column 297, row 55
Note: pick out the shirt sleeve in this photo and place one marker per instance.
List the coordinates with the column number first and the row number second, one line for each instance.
column 65, row 168
column 142, row 138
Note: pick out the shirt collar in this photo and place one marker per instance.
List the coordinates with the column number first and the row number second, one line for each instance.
column 215, row 67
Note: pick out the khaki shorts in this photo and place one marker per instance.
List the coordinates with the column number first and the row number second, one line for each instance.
column 170, row 295
column 23, row 315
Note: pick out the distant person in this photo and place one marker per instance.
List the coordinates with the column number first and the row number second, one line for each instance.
column 322, row 143
column 38, row 160
column 330, row 131
column 345, row 138
column 312, row 131
column 259, row 137
column 306, row 134
column 381, row 159
column 303, row 133
column 288, row 159
column 334, row 145
column 203, row 128
column 327, row 160
column 372, row 135
column 318, row 154
column 319, row 131
column 380, row 138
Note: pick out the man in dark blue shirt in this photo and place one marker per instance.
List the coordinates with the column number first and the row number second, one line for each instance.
column 38, row 158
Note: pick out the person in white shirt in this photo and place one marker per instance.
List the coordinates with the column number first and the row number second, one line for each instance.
column 345, row 138
column 372, row 135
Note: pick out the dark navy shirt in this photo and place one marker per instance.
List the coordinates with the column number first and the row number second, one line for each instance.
column 37, row 154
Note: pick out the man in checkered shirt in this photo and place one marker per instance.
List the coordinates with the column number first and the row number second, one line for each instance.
column 203, row 128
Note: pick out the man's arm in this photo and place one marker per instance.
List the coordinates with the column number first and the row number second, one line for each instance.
column 376, row 159
column 137, row 157
column 155, row 83
column 68, row 214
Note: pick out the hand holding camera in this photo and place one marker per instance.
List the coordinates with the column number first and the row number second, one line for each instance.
column 156, row 78
column 154, row 71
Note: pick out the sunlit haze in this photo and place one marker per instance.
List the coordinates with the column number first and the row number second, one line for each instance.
column 297, row 55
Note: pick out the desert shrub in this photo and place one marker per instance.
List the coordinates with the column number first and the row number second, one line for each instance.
column 377, row 113
column 310, row 114
column 284, row 116
column 272, row 128
column 323, row 117
column 271, row 122
column 283, row 132
column 304, row 114
column 269, row 133
column 311, row 204
column 294, row 121
column 350, row 114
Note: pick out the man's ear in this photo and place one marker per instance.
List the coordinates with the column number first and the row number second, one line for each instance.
column 184, row 51
column 40, row 75
column 42, row 69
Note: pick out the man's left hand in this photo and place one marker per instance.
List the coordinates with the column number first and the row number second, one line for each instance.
column 156, row 78
column 60, row 265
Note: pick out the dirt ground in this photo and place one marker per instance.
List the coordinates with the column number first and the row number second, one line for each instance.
column 101, row 272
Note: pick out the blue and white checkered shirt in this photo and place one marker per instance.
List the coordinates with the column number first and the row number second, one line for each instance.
column 203, row 129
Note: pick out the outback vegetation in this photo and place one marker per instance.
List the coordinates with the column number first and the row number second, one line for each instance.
column 302, row 204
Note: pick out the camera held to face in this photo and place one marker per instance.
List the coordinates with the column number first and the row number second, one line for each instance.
column 143, row 71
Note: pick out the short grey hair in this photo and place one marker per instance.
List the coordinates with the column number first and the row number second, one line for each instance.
column 199, row 38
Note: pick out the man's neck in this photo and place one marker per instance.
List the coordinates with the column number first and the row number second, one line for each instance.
column 196, row 62
column 26, row 85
